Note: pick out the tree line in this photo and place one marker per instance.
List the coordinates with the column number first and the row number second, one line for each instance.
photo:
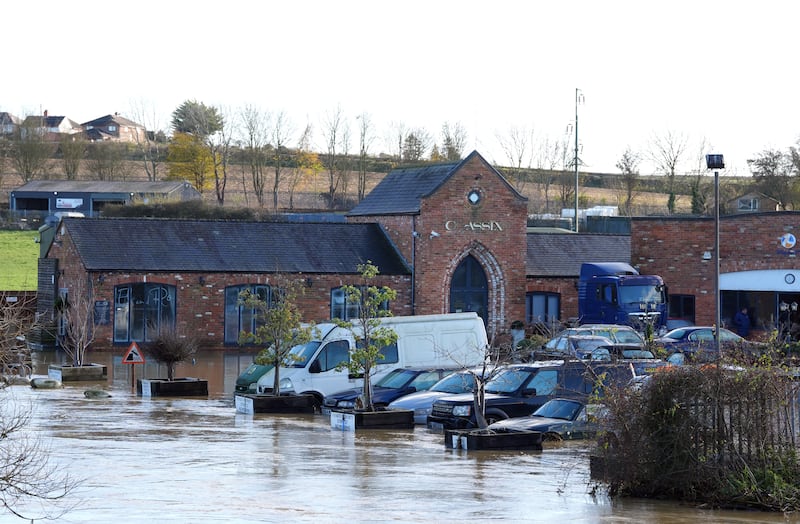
column 206, row 141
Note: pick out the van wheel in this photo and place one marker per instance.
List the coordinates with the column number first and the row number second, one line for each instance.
column 317, row 404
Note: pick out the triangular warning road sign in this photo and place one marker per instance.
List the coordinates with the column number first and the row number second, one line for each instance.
column 134, row 355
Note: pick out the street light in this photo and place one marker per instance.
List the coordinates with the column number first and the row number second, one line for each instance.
column 716, row 162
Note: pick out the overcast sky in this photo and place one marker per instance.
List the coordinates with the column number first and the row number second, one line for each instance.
column 725, row 72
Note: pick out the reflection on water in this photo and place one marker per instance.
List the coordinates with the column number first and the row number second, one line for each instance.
column 197, row 460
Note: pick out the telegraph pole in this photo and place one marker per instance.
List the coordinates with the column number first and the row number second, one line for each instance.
column 578, row 98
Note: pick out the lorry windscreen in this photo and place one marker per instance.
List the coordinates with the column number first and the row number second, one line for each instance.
column 301, row 353
column 649, row 294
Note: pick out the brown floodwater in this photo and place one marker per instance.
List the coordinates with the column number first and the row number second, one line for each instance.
column 197, row 460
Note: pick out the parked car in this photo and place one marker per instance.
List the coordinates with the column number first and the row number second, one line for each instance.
column 248, row 380
column 395, row 384
column 696, row 344
column 618, row 334
column 520, row 389
column 557, row 419
column 583, row 346
column 422, row 401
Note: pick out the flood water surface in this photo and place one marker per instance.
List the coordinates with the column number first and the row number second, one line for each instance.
column 198, row 460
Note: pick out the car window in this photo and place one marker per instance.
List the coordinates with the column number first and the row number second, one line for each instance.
column 563, row 409
column 455, row 383
column 508, row 381
column 544, row 382
column 397, row 378
column 425, row 380
column 702, row 335
column 624, row 336
column 729, row 336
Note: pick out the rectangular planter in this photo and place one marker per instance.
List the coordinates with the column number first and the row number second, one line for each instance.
column 180, row 387
column 482, row 440
column 385, row 419
column 249, row 403
column 85, row 373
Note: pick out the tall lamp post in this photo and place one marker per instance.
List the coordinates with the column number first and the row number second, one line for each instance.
column 716, row 162
column 578, row 99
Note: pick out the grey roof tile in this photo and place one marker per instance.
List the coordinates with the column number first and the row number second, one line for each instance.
column 561, row 255
column 135, row 244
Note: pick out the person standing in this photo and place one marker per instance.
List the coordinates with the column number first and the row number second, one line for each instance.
column 742, row 322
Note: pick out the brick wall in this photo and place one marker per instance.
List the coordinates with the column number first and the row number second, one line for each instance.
column 673, row 247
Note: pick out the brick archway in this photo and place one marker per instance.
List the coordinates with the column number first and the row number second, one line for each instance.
column 496, row 289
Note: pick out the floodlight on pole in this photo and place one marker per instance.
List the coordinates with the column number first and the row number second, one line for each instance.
column 716, row 162
column 578, row 99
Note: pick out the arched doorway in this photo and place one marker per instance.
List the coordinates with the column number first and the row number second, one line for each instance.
column 469, row 289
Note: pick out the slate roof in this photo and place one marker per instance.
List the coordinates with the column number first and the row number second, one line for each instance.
column 117, row 119
column 401, row 191
column 98, row 186
column 140, row 244
column 561, row 255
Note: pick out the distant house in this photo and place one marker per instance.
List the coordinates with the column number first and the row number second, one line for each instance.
column 8, row 123
column 113, row 127
column 88, row 196
column 753, row 202
column 50, row 126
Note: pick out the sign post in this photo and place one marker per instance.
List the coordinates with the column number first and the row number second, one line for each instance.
column 133, row 356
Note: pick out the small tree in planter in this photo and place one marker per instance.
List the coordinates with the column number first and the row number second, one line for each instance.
column 369, row 334
column 278, row 328
column 170, row 348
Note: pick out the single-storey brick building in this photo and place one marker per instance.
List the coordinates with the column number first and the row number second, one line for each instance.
column 449, row 237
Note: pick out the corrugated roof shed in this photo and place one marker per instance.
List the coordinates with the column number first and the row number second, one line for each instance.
column 561, row 255
column 100, row 186
column 140, row 244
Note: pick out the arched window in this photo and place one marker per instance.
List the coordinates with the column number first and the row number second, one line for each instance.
column 469, row 289
column 142, row 310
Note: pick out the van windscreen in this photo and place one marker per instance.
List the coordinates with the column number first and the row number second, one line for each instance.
column 300, row 354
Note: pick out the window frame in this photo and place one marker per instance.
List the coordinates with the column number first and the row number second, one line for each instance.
column 249, row 316
column 338, row 301
column 144, row 303
column 531, row 316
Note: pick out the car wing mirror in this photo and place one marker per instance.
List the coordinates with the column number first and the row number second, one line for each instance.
column 315, row 367
column 529, row 392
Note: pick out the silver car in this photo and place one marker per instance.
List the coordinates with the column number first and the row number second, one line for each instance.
column 422, row 401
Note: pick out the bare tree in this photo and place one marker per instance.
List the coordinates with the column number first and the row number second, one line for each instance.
column 106, row 160
column 395, row 138
column 549, row 159
column 281, row 131
column 331, row 129
column 628, row 164
column 30, row 150
column 76, row 310
column 219, row 144
column 699, row 185
column 365, row 138
column 454, row 141
column 151, row 140
column 27, row 479
column 666, row 152
column 517, row 147
column 307, row 161
column 72, row 149
column 256, row 125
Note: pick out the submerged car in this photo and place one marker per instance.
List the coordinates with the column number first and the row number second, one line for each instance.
column 557, row 419
column 422, row 401
column 395, row 384
column 696, row 344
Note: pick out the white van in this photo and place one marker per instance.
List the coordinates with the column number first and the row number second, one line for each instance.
column 452, row 340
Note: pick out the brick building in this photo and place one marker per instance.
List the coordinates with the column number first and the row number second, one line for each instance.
column 448, row 237
column 758, row 265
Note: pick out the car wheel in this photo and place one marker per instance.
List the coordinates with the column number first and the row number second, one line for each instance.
column 552, row 437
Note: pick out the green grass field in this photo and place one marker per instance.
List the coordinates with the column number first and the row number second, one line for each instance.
column 19, row 256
